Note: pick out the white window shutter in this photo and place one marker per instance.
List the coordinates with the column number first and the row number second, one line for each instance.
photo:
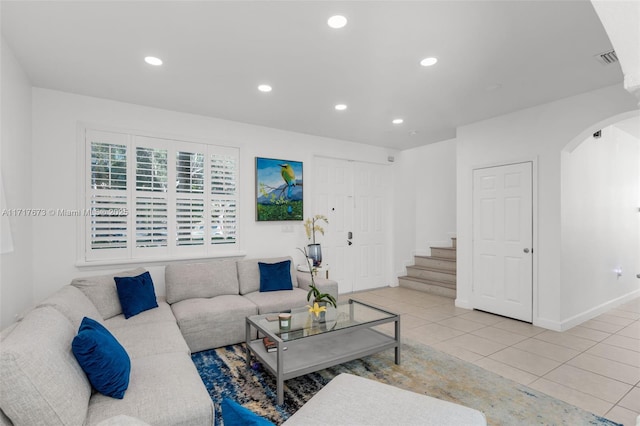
column 158, row 198
column 152, row 197
column 107, row 226
column 224, row 195
column 190, row 227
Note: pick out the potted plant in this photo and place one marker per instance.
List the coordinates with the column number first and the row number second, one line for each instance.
column 311, row 226
column 320, row 300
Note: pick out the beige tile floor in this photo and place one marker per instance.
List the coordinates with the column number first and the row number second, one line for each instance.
column 595, row 366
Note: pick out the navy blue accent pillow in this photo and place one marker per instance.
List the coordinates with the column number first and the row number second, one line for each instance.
column 136, row 294
column 234, row 414
column 102, row 358
column 275, row 276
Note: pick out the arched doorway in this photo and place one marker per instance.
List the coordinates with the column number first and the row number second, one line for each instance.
column 600, row 220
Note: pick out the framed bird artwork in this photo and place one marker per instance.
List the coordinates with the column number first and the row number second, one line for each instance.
column 279, row 194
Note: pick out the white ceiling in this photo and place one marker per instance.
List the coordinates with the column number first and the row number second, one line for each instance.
column 216, row 53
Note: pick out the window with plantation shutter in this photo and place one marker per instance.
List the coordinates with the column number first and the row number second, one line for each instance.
column 190, row 221
column 151, row 222
column 223, row 197
column 190, row 172
column 190, row 214
column 108, row 214
column 108, row 166
column 152, row 198
column 107, row 201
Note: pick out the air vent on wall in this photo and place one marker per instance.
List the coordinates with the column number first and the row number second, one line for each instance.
column 607, row 58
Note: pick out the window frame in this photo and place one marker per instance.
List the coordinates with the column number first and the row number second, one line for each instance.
column 134, row 253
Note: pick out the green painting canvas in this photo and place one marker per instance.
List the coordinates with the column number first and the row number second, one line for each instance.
column 279, row 194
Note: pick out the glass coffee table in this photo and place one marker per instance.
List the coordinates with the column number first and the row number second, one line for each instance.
column 347, row 333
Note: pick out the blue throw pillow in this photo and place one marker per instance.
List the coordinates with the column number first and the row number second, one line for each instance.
column 136, row 294
column 102, row 358
column 234, row 414
column 275, row 276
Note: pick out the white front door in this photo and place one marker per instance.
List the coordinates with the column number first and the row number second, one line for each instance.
column 354, row 197
column 371, row 183
column 333, row 197
column 502, row 240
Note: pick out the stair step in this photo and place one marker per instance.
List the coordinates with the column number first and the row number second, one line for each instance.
column 430, row 273
column 428, row 286
column 432, row 282
column 444, row 252
column 435, row 262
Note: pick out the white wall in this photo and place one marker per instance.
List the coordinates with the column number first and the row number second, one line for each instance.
column 55, row 177
column 621, row 21
column 425, row 207
column 537, row 134
column 16, row 278
column 600, row 222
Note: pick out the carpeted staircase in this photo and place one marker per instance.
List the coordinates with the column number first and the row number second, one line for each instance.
column 434, row 274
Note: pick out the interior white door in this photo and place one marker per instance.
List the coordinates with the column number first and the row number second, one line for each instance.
column 354, row 197
column 502, row 240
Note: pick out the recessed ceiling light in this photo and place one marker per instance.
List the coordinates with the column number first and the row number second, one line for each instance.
column 397, row 121
column 152, row 60
column 265, row 88
column 337, row 21
column 340, row 107
column 427, row 62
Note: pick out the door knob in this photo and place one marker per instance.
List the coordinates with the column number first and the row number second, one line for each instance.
column 526, row 250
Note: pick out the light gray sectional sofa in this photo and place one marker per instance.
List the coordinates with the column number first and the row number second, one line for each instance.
column 206, row 304
column 42, row 383
column 211, row 316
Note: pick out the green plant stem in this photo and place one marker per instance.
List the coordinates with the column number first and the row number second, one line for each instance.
column 317, row 296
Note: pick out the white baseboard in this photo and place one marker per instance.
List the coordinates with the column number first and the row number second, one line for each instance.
column 574, row 320
column 464, row 304
column 548, row 324
column 594, row 312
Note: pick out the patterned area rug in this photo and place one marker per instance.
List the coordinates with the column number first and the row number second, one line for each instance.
column 423, row 370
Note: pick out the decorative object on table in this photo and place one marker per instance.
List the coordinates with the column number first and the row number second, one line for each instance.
column 279, row 194
column 315, row 253
column 269, row 344
column 311, row 226
column 320, row 300
column 285, row 321
column 317, row 310
column 316, row 324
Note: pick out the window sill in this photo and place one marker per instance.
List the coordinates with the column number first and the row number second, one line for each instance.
column 100, row 264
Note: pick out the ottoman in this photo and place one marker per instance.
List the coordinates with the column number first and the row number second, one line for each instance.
column 354, row 400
